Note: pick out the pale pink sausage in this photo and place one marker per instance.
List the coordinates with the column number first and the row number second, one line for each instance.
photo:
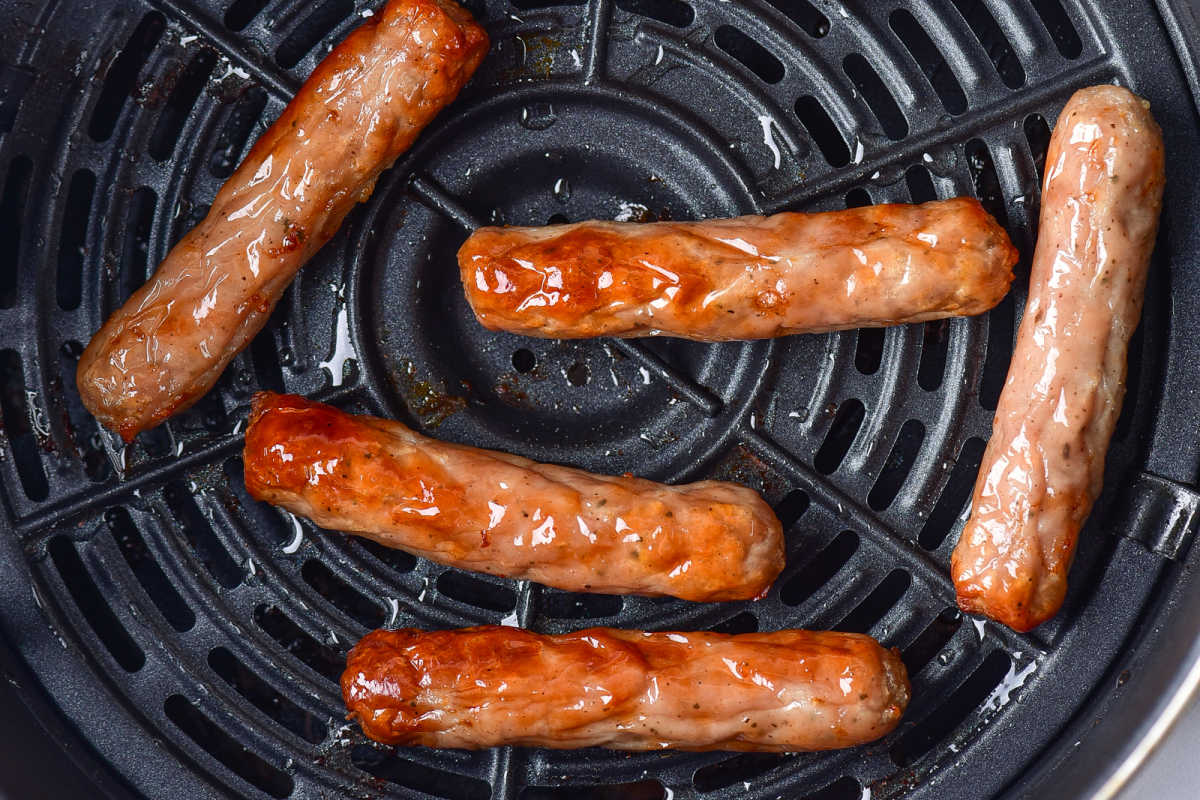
column 1045, row 462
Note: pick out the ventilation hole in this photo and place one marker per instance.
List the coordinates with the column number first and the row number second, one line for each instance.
column 841, row 789
column 930, row 60
column 134, row 268
column 568, row 605
column 18, row 422
column 802, row 12
column 179, row 105
column 93, row 606
column 207, row 413
column 858, row 197
column 242, row 12
column 672, row 12
column 989, row 34
column 935, row 337
column 792, row 507
column 1059, row 26
column 385, row 765
column 639, row 790
column 224, row 748
column 987, row 184
column 1037, row 133
column 291, row 638
column 312, row 29
column 954, row 497
column 198, row 531
column 236, row 132
column 157, row 441
column 744, row 622
column 882, row 104
column 956, row 708
column 347, row 600
column 472, row 591
column 881, row 600
column 261, row 518
column 750, row 53
column 14, row 85
column 76, row 213
column 262, row 696
column 868, row 350
column 846, row 422
column 122, row 76
column 12, row 213
column 820, row 570
column 265, row 355
column 532, row 4
column 397, row 560
column 920, row 184
column 737, row 770
column 824, row 133
column 577, row 374
column 83, row 431
column 932, row 640
column 187, row 216
column 999, row 353
column 896, row 468
column 523, row 360
column 557, row 219
column 147, row 570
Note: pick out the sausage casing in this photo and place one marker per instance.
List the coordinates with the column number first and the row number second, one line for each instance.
column 1044, row 465
column 361, row 107
column 505, row 515
column 628, row 690
column 743, row 278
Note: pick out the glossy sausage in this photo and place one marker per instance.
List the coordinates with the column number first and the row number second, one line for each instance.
column 744, row 278
column 360, row 109
column 505, row 515
column 626, row 690
column 1045, row 462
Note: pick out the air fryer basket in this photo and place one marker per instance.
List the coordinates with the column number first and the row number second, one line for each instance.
column 182, row 640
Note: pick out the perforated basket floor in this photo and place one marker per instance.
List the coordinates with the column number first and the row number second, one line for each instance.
column 193, row 637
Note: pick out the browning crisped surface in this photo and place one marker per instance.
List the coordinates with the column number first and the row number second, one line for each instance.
column 627, row 690
column 506, row 515
column 744, row 278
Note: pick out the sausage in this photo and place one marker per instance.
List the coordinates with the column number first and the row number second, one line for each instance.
column 1044, row 465
column 743, row 278
column 505, row 515
column 627, row 690
column 361, row 108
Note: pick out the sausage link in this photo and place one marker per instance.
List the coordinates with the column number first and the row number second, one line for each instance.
column 743, row 278
column 505, row 515
column 1044, row 465
column 360, row 109
column 627, row 690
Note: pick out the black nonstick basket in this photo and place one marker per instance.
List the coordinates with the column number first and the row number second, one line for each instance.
column 180, row 640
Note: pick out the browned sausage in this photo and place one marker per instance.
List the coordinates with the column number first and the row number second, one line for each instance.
column 744, row 278
column 1045, row 462
column 627, row 690
column 361, row 107
column 506, row 515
